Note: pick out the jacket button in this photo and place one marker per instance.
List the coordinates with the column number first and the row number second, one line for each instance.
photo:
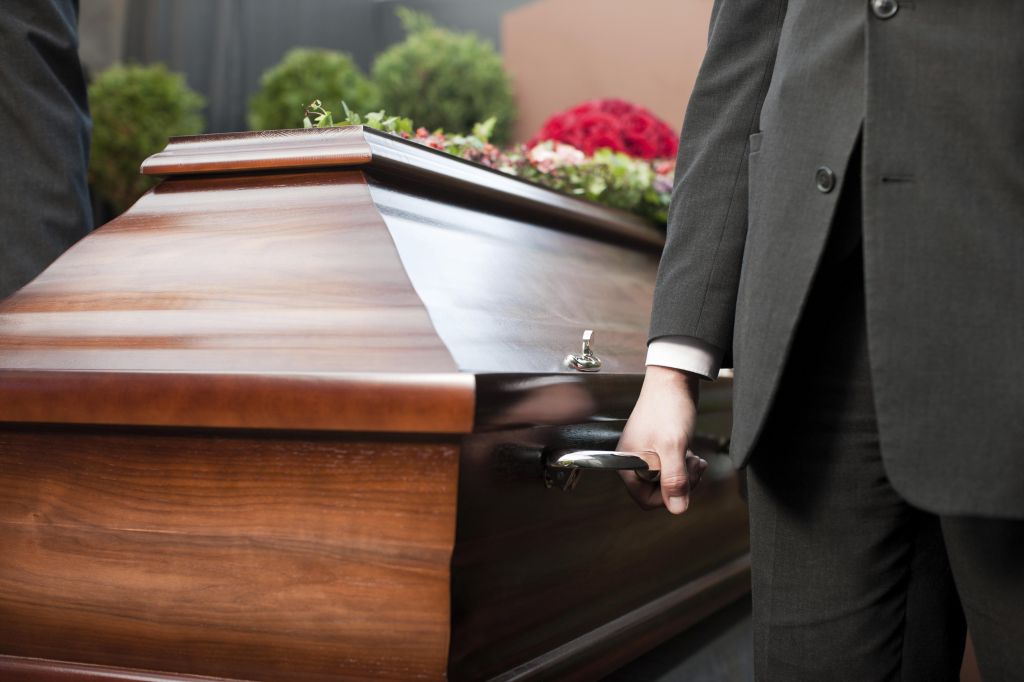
column 884, row 9
column 825, row 179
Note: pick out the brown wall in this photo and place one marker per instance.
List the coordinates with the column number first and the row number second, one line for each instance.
column 562, row 52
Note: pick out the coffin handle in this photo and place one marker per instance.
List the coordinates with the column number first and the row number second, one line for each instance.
column 563, row 466
column 572, row 458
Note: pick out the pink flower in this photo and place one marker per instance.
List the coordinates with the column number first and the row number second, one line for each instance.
column 665, row 166
column 548, row 156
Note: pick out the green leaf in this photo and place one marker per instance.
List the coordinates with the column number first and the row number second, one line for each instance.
column 414, row 22
column 374, row 119
column 485, row 129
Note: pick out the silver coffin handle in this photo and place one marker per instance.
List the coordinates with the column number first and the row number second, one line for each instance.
column 647, row 465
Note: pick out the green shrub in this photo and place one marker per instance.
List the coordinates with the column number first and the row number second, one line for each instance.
column 443, row 79
column 134, row 110
column 304, row 75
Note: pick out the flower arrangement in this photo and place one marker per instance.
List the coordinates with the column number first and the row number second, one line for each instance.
column 607, row 176
column 611, row 124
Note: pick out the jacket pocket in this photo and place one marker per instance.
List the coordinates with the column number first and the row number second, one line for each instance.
column 755, row 185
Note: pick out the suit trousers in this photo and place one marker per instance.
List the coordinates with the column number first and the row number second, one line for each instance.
column 850, row 581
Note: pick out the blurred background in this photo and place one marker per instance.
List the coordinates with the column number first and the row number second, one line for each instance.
column 557, row 52
column 587, row 73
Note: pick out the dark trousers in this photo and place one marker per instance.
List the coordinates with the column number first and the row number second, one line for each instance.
column 850, row 582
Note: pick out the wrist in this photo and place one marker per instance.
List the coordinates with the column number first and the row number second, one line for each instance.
column 680, row 378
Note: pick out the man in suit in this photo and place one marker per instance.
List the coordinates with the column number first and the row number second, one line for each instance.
column 44, row 138
column 847, row 231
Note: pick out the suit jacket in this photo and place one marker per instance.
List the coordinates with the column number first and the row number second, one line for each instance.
column 44, row 138
column 783, row 94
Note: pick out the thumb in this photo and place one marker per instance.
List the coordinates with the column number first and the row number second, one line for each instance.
column 675, row 481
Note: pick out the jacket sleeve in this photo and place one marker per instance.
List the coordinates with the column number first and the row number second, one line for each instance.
column 699, row 274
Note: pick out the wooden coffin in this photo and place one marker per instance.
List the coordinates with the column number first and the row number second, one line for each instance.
column 286, row 418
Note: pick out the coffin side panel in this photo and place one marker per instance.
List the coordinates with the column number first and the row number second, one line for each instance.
column 561, row 584
column 265, row 558
column 537, row 568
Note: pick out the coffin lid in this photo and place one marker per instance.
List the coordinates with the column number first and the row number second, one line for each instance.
column 259, row 287
column 349, row 146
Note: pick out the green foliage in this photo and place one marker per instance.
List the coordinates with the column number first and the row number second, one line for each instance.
column 444, row 79
column 134, row 110
column 413, row 21
column 608, row 177
column 322, row 118
column 302, row 75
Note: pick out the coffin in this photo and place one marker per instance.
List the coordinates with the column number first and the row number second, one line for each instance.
column 288, row 418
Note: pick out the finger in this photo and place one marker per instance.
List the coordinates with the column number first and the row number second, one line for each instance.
column 675, row 481
column 695, row 466
column 647, row 494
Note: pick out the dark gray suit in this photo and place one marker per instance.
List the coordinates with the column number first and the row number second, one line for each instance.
column 933, row 92
column 44, row 138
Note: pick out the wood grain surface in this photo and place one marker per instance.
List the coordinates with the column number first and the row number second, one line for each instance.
column 22, row 669
column 187, row 397
column 397, row 158
column 342, row 401
column 262, row 150
column 255, row 556
column 269, row 291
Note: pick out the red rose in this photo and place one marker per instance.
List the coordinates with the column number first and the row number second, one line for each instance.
column 617, row 107
column 596, row 123
column 584, row 108
column 601, row 141
column 640, row 146
column 668, row 146
column 638, row 124
column 555, row 128
column 612, row 123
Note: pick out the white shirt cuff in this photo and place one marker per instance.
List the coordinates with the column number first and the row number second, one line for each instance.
column 685, row 353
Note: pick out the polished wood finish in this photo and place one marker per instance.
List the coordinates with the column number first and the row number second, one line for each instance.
column 267, row 300
column 257, row 556
column 394, row 157
column 535, row 567
column 42, row 670
column 509, row 295
column 276, row 149
column 348, row 401
column 284, row 419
